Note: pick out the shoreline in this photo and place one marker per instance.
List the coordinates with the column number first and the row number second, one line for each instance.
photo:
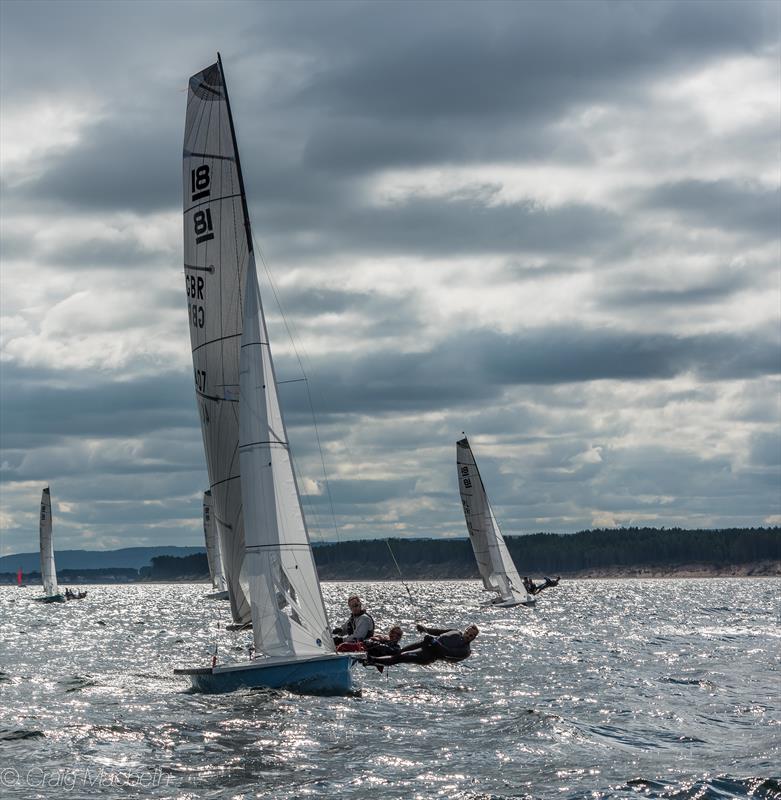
column 771, row 569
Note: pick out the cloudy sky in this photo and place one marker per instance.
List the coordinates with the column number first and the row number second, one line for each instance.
column 554, row 226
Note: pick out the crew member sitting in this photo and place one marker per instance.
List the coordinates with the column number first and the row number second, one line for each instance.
column 359, row 626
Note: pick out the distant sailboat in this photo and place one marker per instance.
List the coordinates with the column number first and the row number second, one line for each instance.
column 213, row 555
column 255, row 494
column 19, row 578
column 493, row 558
column 51, row 592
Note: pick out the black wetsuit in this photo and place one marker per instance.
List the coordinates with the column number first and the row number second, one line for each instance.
column 439, row 644
column 375, row 647
column 532, row 588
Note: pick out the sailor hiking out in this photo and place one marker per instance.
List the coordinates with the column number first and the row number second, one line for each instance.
column 439, row 644
column 535, row 588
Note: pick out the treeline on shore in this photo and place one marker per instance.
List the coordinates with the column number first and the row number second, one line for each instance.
column 552, row 553
column 627, row 550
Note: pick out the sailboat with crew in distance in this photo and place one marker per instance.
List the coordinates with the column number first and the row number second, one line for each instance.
column 51, row 591
column 256, row 501
column 494, row 562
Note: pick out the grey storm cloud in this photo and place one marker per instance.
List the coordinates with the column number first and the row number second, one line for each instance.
column 531, row 57
column 445, row 227
column 722, row 204
column 128, row 162
column 34, row 410
column 471, row 367
column 388, row 381
column 328, row 98
column 306, row 302
column 347, row 146
column 390, row 105
column 722, row 286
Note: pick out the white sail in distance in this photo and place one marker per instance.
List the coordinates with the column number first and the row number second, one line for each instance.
column 48, row 568
column 288, row 614
column 210, row 535
column 216, row 253
column 493, row 558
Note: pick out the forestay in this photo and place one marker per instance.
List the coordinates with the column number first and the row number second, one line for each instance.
column 48, row 569
column 493, row 558
column 213, row 555
column 216, row 254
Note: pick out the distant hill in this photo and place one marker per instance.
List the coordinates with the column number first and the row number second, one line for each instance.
column 127, row 557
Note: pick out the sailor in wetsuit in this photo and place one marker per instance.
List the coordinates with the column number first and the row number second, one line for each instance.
column 389, row 645
column 438, row 644
column 358, row 627
column 532, row 588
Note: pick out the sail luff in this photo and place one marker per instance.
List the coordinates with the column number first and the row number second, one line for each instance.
column 48, row 568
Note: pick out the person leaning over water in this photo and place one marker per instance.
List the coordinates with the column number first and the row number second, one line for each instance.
column 358, row 627
column 533, row 588
column 438, row 644
column 389, row 645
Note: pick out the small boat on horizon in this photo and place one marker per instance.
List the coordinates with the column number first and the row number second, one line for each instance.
column 51, row 592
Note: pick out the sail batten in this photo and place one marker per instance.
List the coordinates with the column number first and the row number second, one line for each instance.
column 494, row 562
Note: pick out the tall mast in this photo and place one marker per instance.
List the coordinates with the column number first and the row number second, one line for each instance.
column 244, row 208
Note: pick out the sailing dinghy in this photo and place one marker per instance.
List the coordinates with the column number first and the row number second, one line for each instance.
column 51, row 592
column 253, row 485
column 213, row 554
column 493, row 558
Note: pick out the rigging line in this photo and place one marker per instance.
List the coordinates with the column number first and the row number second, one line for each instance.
column 401, row 578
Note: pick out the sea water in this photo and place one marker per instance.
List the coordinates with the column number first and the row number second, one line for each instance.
column 608, row 688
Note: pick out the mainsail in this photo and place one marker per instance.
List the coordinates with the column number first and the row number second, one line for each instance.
column 213, row 555
column 48, row 569
column 217, row 249
column 244, row 434
column 493, row 558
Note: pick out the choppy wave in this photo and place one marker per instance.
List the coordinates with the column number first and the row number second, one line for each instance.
column 607, row 689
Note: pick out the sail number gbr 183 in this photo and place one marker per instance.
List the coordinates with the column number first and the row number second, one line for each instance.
column 203, row 228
